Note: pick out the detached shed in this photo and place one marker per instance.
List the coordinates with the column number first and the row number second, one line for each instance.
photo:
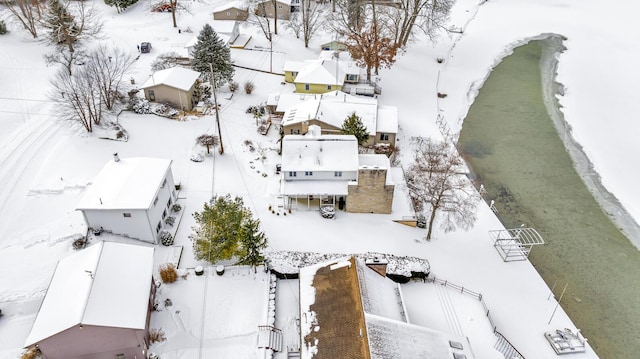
column 174, row 85
column 98, row 304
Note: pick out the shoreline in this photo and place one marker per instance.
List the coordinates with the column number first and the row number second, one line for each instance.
column 551, row 90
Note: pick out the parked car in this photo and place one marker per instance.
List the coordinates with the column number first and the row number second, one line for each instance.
column 145, row 47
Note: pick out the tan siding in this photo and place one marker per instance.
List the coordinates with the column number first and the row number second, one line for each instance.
column 371, row 194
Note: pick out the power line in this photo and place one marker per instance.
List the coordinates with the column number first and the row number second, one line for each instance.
column 25, row 99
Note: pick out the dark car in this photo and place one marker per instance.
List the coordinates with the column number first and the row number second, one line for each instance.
column 145, row 47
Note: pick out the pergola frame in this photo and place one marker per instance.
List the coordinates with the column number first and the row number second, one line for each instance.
column 515, row 244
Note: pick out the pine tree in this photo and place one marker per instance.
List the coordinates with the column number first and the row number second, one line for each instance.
column 210, row 52
column 226, row 230
column 60, row 24
column 353, row 126
column 120, row 5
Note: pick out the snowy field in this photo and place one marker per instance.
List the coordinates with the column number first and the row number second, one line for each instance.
column 45, row 165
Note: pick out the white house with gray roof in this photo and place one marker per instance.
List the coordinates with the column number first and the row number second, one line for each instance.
column 130, row 197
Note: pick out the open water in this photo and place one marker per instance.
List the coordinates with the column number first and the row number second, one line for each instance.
column 514, row 149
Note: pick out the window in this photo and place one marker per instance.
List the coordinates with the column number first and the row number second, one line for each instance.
column 126, row 215
column 328, row 87
column 308, row 173
column 306, row 87
column 455, row 345
column 294, row 73
column 228, row 13
column 120, row 356
column 384, row 137
column 293, row 174
column 459, row 356
column 164, row 183
column 352, row 78
column 337, row 174
column 158, row 226
column 155, row 201
column 169, row 203
column 279, row 6
column 152, row 95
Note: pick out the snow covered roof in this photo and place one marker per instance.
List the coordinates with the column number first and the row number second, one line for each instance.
column 232, row 4
column 224, row 26
column 319, row 153
column 295, row 66
column 321, row 72
column 177, row 77
column 387, row 119
column 130, row 183
column 331, row 108
column 375, row 161
column 107, row 284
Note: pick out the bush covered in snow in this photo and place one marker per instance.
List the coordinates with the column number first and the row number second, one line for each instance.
column 166, row 238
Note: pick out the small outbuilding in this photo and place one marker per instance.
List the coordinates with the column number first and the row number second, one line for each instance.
column 98, row 305
column 130, row 197
column 235, row 10
column 174, row 85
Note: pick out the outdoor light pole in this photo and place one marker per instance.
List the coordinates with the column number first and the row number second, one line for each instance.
column 215, row 100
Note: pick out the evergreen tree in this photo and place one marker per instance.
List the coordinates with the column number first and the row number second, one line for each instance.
column 353, row 126
column 120, row 5
column 60, row 24
column 226, row 230
column 210, row 52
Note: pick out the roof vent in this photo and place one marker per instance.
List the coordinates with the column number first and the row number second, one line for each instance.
column 116, row 158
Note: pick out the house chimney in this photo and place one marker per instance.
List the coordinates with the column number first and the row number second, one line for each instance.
column 116, row 158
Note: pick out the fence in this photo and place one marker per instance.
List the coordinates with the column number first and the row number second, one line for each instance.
column 502, row 345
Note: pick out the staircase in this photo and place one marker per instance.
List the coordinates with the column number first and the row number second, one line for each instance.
column 270, row 337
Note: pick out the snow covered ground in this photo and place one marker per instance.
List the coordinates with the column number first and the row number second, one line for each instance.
column 45, row 165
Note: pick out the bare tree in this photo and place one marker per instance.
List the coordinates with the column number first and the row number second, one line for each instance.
column 62, row 56
column 435, row 179
column 78, row 98
column 107, row 69
column 208, row 141
column 260, row 19
column 92, row 89
column 27, row 12
column 295, row 23
column 369, row 44
column 311, row 19
column 165, row 60
column 427, row 15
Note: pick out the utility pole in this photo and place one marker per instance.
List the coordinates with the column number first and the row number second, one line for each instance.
column 215, row 100
column 270, row 52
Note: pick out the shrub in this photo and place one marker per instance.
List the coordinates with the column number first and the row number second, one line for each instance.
column 166, row 238
column 156, row 336
column 168, row 273
column 170, row 220
column 31, row 353
column 248, row 87
column 3, row 27
column 234, row 86
column 176, row 208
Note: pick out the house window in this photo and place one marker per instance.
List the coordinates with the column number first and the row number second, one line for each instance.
column 293, row 174
column 120, row 356
column 126, row 215
column 164, row 214
column 384, row 137
column 337, row 174
column 158, row 226
column 152, row 95
column 328, row 87
column 164, row 183
column 306, row 87
column 155, row 201
column 294, row 74
column 455, row 345
column 308, row 173
column 228, row 13
column 352, row 78
column 279, row 6
column 169, row 203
